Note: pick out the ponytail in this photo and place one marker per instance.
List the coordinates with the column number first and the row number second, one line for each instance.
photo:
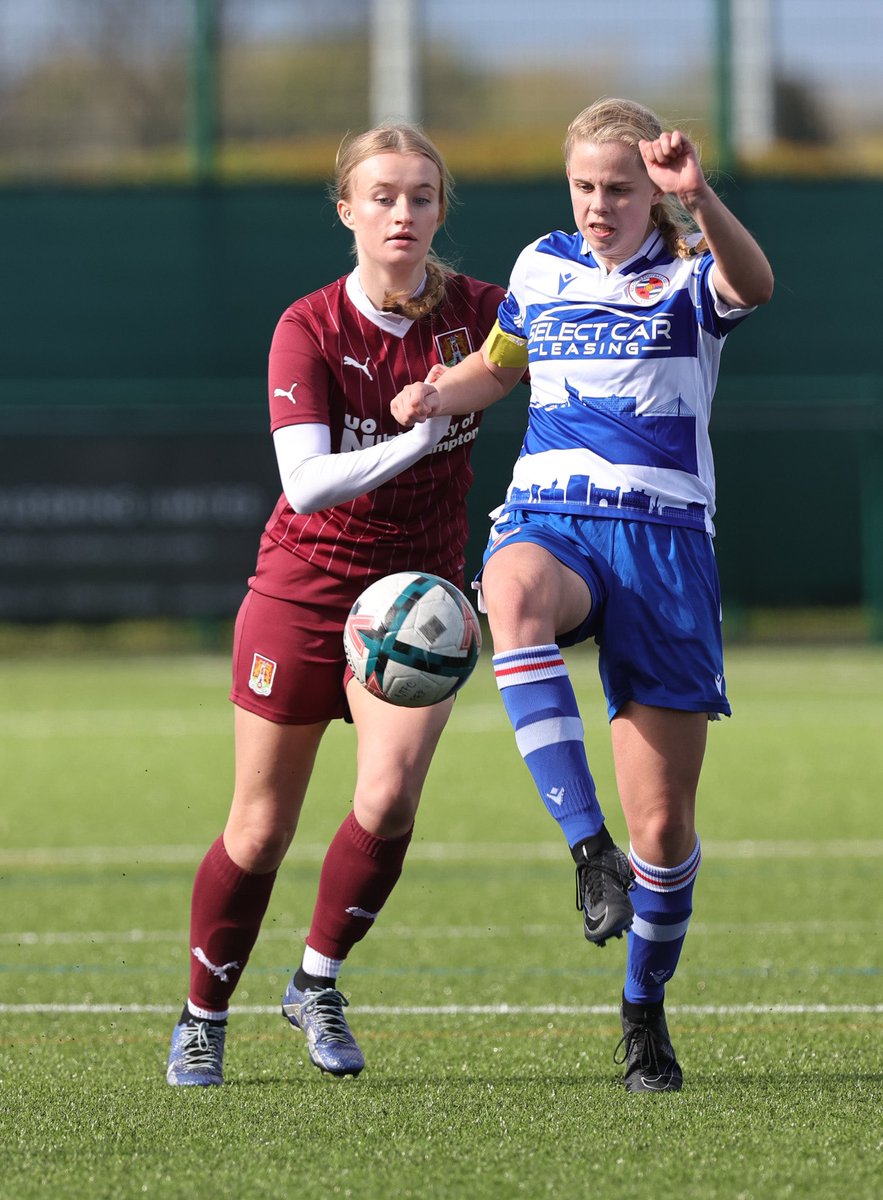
column 415, row 307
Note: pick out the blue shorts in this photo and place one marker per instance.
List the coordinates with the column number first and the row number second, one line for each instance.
column 656, row 611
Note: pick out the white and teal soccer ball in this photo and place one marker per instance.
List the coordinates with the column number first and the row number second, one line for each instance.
column 412, row 639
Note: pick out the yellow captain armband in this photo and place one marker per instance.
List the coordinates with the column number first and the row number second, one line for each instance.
column 504, row 349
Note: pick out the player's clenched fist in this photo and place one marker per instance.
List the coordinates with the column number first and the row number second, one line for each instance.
column 414, row 404
column 673, row 164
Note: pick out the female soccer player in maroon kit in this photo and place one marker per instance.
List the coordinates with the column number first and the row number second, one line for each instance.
column 361, row 499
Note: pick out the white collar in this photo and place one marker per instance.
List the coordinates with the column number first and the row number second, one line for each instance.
column 648, row 249
column 392, row 323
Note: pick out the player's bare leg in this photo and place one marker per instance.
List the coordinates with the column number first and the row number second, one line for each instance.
column 658, row 755
column 531, row 596
column 274, row 764
column 396, row 746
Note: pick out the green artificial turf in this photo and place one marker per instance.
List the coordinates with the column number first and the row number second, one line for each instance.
column 488, row 1024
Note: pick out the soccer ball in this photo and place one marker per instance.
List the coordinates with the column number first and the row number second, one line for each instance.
column 412, row 639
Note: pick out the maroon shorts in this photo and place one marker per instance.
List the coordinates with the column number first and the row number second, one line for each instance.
column 289, row 664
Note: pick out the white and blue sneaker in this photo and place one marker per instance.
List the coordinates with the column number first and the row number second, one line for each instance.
column 319, row 1013
column 196, row 1057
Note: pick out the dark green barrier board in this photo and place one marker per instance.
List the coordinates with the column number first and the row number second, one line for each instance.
column 134, row 328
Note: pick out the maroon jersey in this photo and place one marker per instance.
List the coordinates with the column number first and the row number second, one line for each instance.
column 331, row 364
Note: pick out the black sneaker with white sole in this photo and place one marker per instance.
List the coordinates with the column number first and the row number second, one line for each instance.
column 646, row 1050
column 603, row 882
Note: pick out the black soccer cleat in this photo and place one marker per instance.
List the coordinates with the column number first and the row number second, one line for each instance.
column 603, row 883
column 647, row 1052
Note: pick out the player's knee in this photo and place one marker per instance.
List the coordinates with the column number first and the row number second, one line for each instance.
column 531, row 597
column 516, row 614
column 666, row 837
column 258, row 841
column 387, row 811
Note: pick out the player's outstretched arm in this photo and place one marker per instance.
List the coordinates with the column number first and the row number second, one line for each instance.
column 472, row 385
column 314, row 478
column 743, row 277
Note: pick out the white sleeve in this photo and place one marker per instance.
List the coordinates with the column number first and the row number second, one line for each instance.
column 313, row 478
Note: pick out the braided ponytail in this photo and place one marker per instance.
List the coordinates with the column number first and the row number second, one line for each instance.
column 675, row 229
column 432, row 295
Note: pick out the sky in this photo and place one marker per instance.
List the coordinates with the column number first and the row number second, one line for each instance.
column 653, row 39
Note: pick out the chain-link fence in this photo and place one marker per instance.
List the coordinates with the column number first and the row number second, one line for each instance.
column 110, row 90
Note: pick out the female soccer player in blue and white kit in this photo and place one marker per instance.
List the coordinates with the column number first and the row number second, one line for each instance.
column 607, row 524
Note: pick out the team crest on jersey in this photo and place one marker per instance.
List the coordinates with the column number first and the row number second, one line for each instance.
column 453, row 345
column 263, row 671
column 648, row 288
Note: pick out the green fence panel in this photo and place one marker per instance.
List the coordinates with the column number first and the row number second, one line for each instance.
column 147, row 313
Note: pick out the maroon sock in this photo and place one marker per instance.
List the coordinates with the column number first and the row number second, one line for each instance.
column 226, row 911
column 358, row 874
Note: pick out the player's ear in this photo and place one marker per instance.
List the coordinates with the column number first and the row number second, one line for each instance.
column 345, row 213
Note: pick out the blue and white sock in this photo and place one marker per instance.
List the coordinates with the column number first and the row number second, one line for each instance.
column 663, row 900
column 539, row 700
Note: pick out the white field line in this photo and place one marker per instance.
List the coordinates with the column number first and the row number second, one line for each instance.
column 471, row 1010
column 453, row 933
column 88, row 856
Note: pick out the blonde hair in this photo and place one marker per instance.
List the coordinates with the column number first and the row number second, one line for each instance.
column 399, row 138
column 612, row 120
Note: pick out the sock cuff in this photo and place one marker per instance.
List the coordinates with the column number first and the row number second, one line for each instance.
column 529, row 664
column 372, row 844
column 666, row 879
column 206, row 1014
column 320, row 965
column 231, row 874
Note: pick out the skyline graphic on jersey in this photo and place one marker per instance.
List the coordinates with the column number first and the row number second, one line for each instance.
column 578, row 492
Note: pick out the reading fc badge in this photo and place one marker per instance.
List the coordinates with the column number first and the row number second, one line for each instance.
column 648, row 289
column 262, row 672
column 453, row 346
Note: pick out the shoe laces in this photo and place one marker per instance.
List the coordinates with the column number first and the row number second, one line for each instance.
column 200, row 1044
column 640, row 1043
column 325, row 1007
column 591, row 877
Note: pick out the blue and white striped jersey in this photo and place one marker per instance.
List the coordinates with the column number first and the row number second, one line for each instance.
column 623, row 367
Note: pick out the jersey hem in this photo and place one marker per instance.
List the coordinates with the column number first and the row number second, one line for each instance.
column 606, row 512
